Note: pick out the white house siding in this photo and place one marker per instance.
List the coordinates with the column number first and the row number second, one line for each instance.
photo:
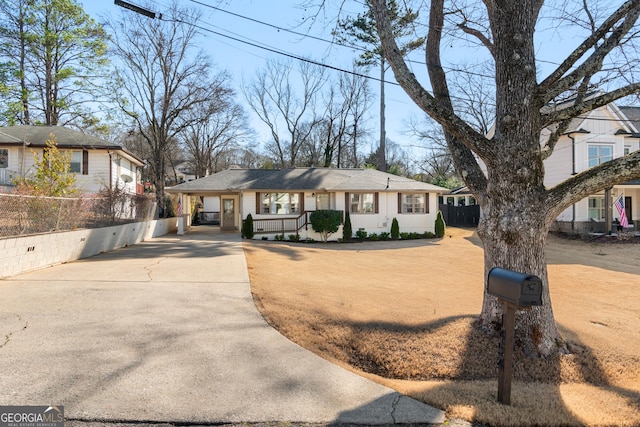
column 371, row 223
column 123, row 173
column 558, row 165
column 602, row 127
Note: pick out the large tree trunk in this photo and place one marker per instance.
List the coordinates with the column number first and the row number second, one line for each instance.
column 515, row 219
column 514, row 237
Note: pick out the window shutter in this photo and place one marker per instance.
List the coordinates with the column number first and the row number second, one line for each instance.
column 301, row 197
column 85, row 162
column 258, row 203
column 399, row 203
column 426, row 203
column 347, row 204
column 375, row 203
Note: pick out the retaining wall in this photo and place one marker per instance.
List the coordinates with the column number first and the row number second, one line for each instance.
column 21, row 254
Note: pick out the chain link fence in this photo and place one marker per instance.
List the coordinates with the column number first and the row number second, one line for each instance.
column 22, row 215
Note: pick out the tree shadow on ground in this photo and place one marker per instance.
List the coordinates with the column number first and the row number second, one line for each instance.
column 451, row 365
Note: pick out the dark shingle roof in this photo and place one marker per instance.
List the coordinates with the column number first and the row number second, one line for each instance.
column 37, row 136
column 300, row 179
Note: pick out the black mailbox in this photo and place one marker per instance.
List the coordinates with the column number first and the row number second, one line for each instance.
column 523, row 290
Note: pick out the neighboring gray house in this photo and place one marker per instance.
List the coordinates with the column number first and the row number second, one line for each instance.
column 97, row 163
column 279, row 201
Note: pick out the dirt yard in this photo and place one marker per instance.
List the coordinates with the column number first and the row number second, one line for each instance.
column 401, row 313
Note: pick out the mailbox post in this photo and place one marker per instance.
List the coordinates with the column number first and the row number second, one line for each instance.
column 515, row 290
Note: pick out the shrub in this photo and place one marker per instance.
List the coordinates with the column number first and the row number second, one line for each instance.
column 404, row 236
column 395, row 229
column 247, row 227
column 361, row 234
column 373, row 237
column 265, row 238
column 294, row 237
column 384, row 235
column 347, row 231
column 428, row 235
column 279, row 237
column 414, row 235
column 325, row 222
column 310, row 240
column 440, row 225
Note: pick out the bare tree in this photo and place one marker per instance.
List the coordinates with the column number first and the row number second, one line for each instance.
column 273, row 98
column 212, row 131
column 517, row 209
column 162, row 77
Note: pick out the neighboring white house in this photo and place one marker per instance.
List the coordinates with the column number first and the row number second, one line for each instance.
column 98, row 164
column 279, row 201
column 596, row 137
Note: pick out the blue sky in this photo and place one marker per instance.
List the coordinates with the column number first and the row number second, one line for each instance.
column 242, row 60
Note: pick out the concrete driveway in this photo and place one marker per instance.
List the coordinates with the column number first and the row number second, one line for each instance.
column 166, row 331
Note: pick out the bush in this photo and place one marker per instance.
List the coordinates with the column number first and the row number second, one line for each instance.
column 265, row 238
column 395, row 229
column 440, row 225
column 414, row 235
column 428, row 235
column 325, row 222
column 247, row 227
column 279, row 238
column 404, row 236
column 373, row 237
column 294, row 237
column 361, row 234
column 384, row 235
column 347, row 231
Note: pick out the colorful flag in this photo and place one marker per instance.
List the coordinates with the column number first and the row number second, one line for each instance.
column 619, row 204
column 179, row 206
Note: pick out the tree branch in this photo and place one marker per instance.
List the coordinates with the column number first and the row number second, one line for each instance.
column 576, row 188
column 555, row 84
column 590, row 104
column 407, row 80
column 477, row 34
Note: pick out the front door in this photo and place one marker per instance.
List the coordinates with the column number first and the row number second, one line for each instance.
column 228, row 214
column 627, row 208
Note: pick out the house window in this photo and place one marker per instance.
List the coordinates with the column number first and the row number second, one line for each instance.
column 472, row 201
column 599, row 154
column 627, row 149
column 362, row 203
column 280, row 203
column 322, row 201
column 76, row 162
column 450, row 201
column 413, row 203
column 596, row 208
column 4, row 158
column 462, row 201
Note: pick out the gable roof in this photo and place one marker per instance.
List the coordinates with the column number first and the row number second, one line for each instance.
column 633, row 115
column 301, row 179
column 37, row 136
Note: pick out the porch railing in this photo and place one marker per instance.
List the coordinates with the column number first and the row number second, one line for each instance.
column 282, row 225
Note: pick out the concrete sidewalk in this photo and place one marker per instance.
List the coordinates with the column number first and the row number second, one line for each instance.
column 167, row 332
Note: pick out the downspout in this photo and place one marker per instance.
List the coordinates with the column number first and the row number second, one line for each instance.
column 110, row 171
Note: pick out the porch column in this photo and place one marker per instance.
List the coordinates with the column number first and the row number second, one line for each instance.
column 180, row 214
column 608, row 206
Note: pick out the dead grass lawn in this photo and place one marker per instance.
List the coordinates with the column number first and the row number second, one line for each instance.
column 401, row 313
